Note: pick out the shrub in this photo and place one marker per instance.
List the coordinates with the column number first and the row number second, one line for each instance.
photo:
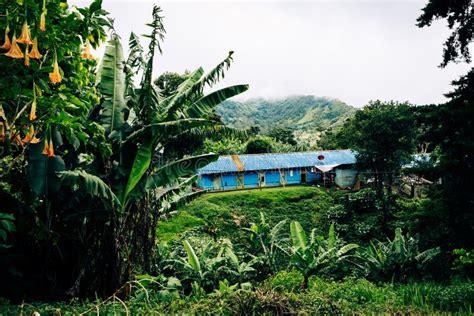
column 358, row 216
column 458, row 297
column 397, row 259
column 353, row 293
column 464, row 262
column 287, row 281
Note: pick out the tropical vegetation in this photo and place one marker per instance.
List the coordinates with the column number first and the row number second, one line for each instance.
column 98, row 160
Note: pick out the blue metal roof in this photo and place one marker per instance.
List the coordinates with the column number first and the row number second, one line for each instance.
column 276, row 161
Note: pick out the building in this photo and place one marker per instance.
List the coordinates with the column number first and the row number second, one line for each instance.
column 237, row 172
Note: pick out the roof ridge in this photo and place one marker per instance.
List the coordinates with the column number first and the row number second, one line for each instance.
column 291, row 152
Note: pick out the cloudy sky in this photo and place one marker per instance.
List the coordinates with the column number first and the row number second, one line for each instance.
column 351, row 50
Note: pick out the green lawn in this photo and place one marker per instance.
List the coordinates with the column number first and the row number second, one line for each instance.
column 226, row 212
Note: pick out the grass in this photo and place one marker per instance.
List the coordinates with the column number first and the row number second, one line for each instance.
column 224, row 213
column 279, row 294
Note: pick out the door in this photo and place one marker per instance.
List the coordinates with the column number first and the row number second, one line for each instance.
column 283, row 180
column 261, row 179
column 216, row 182
column 303, row 175
column 240, row 181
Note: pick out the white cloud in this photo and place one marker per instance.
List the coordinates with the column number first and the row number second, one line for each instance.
column 352, row 50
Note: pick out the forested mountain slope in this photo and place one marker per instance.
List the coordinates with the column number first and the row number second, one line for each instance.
column 307, row 113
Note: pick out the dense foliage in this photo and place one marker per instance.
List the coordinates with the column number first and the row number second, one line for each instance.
column 460, row 17
column 96, row 170
column 96, row 162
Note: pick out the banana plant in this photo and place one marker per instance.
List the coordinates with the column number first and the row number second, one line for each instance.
column 316, row 255
column 203, row 268
column 240, row 270
column 396, row 259
column 136, row 182
column 267, row 243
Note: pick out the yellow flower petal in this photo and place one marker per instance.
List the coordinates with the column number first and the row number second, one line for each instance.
column 86, row 53
column 35, row 54
column 27, row 57
column 15, row 51
column 33, row 111
column 25, row 37
column 55, row 76
column 42, row 25
column 7, row 44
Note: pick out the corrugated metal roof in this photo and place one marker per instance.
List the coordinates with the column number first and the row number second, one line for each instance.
column 280, row 161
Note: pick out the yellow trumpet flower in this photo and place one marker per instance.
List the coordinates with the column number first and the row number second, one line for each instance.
column 51, row 148
column 42, row 25
column 15, row 51
column 35, row 54
column 55, row 76
column 33, row 110
column 48, row 149
column 3, row 132
column 31, row 137
column 27, row 57
column 7, row 44
column 86, row 53
column 25, row 37
column 3, row 125
column 15, row 136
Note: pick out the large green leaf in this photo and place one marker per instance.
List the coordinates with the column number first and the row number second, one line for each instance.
column 172, row 128
column 148, row 98
column 298, row 235
column 111, row 83
column 140, row 165
column 192, row 258
column 88, row 183
column 331, row 237
column 204, row 106
column 41, row 170
column 169, row 173
column 345, row 249
column 193, row 87
column 183, row 93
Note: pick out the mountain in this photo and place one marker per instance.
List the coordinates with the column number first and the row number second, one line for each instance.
column 307, row 116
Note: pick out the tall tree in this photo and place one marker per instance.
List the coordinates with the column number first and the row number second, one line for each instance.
column 460, row 17
column 283, row 135
column 382, row 133
column 168, row 82
column 450, row 127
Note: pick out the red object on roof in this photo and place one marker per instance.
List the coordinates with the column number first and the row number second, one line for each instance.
column 320, row 157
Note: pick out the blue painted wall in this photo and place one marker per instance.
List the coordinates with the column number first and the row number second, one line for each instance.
column 251, row 180
column 312, row 176
column 205, row 181
column 272, row 178
column 293, row 176
column 229, row 181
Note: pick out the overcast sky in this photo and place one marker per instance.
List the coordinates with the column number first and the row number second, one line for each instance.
column 351, row 50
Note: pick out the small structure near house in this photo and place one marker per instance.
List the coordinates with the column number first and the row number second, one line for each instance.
column 237, row 172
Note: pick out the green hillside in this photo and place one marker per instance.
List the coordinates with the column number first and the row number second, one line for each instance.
column 229, row 211
column 297, row 112
column 307, row 116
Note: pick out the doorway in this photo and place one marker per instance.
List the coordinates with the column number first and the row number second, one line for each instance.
column 216, row 182
column 261, row 179
column 303, row 176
